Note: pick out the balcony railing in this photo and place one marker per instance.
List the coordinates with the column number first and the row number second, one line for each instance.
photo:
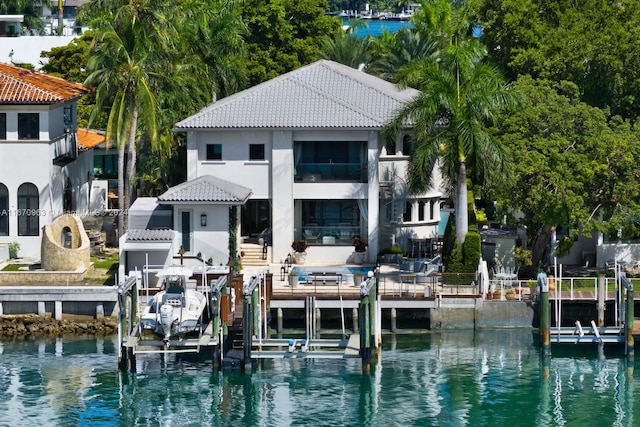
column 315, row 172
column 65, row 149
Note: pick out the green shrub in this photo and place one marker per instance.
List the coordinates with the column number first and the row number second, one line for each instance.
column 471, row 251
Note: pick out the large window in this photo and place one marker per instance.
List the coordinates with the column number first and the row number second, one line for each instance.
column 330, row 161
column 105, row 166
column 4, row 210
column 28, row 210
column 214, row 151
column 3, row 125
column 330, row 222
column 256, row 151
column 28, row 126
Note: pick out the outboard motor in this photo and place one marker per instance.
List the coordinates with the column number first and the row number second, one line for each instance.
column 166, row 320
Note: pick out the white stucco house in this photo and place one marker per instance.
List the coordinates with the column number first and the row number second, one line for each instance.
column 192, row 216
column 44, row 171
column 308, row 145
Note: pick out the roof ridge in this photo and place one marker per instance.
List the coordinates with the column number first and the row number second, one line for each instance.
column 351, row 106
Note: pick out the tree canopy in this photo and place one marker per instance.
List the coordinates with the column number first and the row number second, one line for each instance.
column 460, row 96
column 591, row 43
column 578, row 166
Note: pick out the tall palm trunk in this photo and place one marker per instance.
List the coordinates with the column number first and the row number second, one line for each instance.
column 121, row 186
column 131, row 167
column 462, row 211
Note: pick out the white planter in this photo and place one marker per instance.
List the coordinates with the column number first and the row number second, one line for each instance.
column 358, row 257
column 300, row 257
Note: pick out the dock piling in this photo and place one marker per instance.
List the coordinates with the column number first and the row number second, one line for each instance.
column 545, row 314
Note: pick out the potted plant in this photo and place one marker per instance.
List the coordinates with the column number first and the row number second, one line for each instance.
column 510, row 294
column 300, row 250
column 14, row 247
column 360, row 247
column 392, row 254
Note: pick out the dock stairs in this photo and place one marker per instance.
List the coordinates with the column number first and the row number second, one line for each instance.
column 252, row 255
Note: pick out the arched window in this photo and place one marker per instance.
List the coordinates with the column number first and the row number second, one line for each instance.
column 391, row 148
column 4, row 210
column 406, row 145
column 66, row 238
column 421, row 211
column 408, row 212
column 28, row 210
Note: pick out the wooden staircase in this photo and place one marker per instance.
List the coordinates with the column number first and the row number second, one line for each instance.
column 236, row 333
column 252, row 255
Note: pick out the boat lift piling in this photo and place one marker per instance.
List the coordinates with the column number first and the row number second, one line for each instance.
column 545, row 314
column 370, row 333
column 127, row 291
column 622, row 332
column 250, row 316
column 218, row 288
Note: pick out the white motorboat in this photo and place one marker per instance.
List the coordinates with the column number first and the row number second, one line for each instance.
column 177, row 309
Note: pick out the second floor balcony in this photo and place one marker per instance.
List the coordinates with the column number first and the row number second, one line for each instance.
column 315, row 172
column 65, row 149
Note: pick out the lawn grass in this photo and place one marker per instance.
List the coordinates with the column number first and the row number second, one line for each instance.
column 14, row 267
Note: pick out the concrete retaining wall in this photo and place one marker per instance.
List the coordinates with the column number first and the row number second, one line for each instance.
column 59, row 301
column 41, row 277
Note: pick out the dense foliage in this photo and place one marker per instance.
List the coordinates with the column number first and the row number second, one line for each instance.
column 570, row 140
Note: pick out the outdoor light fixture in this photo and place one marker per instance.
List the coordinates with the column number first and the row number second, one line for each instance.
column 203, row 220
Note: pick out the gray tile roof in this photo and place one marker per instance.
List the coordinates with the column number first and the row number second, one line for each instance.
column 150, row 235
column 324, row 94
column 206, row 189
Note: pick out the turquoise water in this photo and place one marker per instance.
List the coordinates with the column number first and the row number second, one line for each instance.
column 489, row 378
column 376, row 27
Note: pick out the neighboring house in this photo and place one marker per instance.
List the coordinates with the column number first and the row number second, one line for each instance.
column 10, row 25
column 44, row 171
column 308, row 144
column 198, row 211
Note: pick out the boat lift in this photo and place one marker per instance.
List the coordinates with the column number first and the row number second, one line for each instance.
column 620, row 333
column 257, row 346
column 131, row 341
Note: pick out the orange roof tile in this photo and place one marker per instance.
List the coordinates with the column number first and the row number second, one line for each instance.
column 22, row 86
column 88, row 139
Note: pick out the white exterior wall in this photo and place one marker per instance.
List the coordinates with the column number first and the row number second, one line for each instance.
column 255, row 174
column 212, row 240
column 27, row 49
column 282, row 215
column 32, row 161
column 373, row 195
column 397, row 164
column 273, row 179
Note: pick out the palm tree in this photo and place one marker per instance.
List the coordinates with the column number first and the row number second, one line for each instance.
column 346, row 48
column 403, row 55
column 459, row 99
column 125, row 59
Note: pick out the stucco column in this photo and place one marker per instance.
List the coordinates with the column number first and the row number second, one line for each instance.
column 282, row 193
column 373, row 156
column 192, row 154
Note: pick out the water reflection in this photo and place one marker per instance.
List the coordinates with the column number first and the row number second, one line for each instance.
column 455, row 378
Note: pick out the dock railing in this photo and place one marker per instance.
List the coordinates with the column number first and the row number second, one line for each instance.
column 571, row 288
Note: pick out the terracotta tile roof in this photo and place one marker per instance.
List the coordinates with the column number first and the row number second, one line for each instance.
column 21, row 86
column 88, row 139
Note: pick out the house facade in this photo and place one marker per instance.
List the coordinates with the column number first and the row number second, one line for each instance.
column 188, row 224
column 44, row 173
column 308, row 145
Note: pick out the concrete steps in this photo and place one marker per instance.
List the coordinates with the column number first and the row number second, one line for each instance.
column 252, row 255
